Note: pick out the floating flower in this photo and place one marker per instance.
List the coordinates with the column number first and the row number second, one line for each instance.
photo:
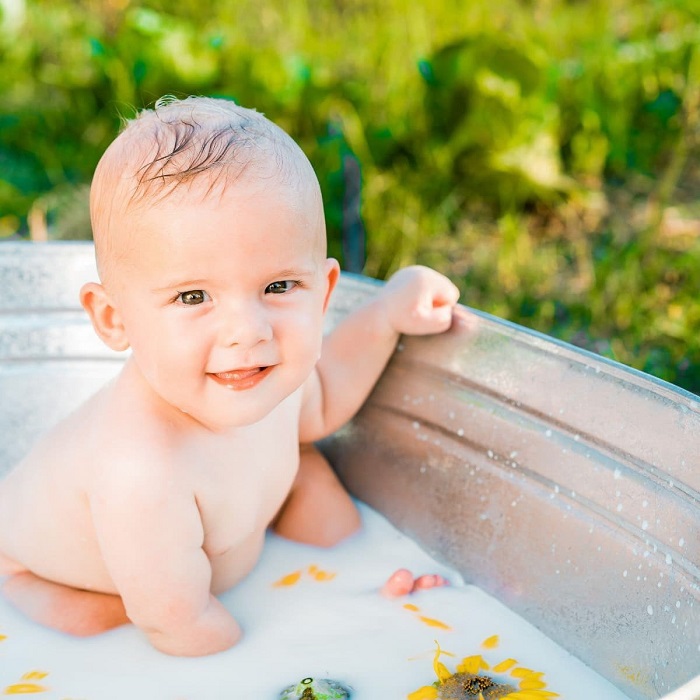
column 316, row 689
column 469, row 682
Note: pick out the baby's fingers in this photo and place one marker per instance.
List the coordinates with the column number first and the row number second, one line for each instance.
column 427, row 320
column 429, row 315
column 420, row 301
column 447, row 294
column 437, row 305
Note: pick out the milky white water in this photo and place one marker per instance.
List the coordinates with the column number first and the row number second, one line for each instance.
column 330, row 623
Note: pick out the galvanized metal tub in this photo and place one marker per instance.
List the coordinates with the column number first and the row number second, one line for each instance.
column 566, row 485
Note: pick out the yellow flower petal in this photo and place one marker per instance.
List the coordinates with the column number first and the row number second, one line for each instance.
column 34, row 676
column 472, row 664
column 22, row 688
column 427, row 692
column 324, row 576
column 521, row 672
column 288, row 580
column 432, row 622
column 441, row 671
column 504, row 666
column 491, row 643
column 411, row 607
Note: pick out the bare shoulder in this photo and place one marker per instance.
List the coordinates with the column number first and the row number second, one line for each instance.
column 111, row 436
column 134, row 448
column 64, row 448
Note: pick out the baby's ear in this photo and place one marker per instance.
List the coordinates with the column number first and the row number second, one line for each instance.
column 332, row 277
column 105, row 318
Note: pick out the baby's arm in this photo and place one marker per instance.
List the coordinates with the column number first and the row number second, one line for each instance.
column 151, row 536
column 415, row 301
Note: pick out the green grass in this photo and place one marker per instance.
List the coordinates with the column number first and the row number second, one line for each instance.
column 543, row 153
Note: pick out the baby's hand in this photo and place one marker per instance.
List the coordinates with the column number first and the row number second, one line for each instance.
column 419, row 301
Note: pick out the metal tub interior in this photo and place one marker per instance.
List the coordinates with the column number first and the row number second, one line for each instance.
column 565, row 485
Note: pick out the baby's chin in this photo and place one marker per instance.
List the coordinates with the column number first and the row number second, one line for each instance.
column 245, row 415
column 222, row 422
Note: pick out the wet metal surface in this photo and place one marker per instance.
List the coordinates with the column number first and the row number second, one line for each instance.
column 563, row 484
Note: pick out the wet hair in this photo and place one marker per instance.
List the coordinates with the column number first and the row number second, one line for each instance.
column 180, row 140
column 203, row 142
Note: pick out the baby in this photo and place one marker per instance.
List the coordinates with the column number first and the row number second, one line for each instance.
column 155, row 496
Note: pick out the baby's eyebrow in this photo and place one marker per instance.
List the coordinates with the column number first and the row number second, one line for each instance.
column 182, row 284
column 291, row 272
column 284, row 274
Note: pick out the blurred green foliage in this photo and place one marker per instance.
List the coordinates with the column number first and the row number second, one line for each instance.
column 543, row 153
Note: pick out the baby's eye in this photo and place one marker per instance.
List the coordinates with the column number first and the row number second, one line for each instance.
column 193, row 297
column 280, row 287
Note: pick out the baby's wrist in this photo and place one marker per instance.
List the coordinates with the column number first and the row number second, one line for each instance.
column 385, row 318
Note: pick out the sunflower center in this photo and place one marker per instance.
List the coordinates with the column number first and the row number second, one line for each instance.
column 467, row 686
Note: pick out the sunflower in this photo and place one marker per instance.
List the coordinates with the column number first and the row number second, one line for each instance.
column 469, row 682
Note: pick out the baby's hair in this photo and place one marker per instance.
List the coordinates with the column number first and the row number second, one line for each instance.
column 197, row 143
column 188, row 137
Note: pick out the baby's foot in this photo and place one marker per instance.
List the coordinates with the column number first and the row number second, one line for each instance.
column 400, row 583
column 423, row 583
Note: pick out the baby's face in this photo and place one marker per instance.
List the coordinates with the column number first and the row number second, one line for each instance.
column 223, row 300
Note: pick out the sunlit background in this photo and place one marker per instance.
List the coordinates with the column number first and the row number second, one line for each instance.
column 542, row 153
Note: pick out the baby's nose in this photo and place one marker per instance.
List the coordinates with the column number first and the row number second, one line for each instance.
column 244, row 324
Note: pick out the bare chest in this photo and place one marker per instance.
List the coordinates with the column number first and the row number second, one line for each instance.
column 242, row 485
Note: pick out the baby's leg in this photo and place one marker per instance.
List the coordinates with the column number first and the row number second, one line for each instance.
column 77, row 612
column 318, row 510
column 9, row 566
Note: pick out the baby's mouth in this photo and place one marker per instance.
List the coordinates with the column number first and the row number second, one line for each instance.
column 240, row 379
column 236, row 374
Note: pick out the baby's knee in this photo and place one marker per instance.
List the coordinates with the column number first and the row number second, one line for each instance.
column 309, row 451
column 70, row 610
column 313, row 465
column 9, row 567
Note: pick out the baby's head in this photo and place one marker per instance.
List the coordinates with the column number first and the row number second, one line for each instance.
column 210, row 241
column 198, row 147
